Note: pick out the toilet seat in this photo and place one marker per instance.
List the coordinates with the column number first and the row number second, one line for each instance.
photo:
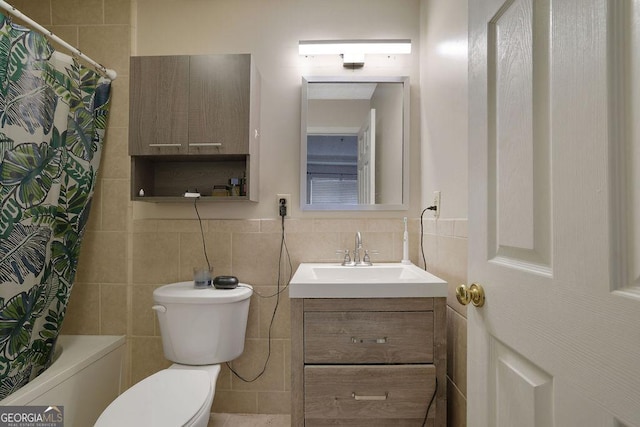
column 169, row 398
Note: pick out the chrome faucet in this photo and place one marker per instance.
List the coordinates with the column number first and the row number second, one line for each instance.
column 348, row 261
column 358, row 248
column 356, row 252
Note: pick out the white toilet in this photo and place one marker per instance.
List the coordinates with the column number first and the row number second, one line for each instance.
column 200, row 328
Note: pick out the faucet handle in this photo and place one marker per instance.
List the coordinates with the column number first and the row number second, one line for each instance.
column 365, row 259
column 347, row 258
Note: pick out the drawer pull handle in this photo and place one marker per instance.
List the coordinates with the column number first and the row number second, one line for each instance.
column 382, row 340
column 205, row 144
column 165, row 145
column 374, row 397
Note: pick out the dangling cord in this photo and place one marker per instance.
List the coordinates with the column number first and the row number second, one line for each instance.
column 424, row 261
column 204, row 246
column 283, row 246
column 424, row 423
column 428, row 208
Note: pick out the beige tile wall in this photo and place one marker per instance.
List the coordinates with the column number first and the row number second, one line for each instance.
column 165, row 251
column 123, row 260
column 446, row 255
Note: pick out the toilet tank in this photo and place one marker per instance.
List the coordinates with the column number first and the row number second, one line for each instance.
column 202, row 326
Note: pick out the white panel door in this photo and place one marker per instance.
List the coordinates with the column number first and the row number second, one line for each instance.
column 554, row 208
column 367, row 159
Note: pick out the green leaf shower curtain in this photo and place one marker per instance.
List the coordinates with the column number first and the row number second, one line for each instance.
column 53, row 114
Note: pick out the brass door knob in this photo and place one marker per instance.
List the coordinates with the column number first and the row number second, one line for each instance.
column 473, row 294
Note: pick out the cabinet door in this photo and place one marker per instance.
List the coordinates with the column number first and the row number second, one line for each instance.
column 219, row 101
column 159, row 100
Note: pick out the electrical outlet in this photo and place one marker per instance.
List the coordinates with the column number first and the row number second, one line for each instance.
column 436, row 203
column 287, row 202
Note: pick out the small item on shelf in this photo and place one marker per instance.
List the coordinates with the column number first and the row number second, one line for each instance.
column 234, row 187
column 141, row 193
column 243, row 184
column 192, row 193
column 220, row 191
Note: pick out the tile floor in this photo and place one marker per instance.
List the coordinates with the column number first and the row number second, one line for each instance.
column 249, row 420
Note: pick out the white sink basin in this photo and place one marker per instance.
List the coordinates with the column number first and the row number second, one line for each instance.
column 383, row 280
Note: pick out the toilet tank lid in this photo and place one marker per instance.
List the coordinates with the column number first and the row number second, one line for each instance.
column 186, row 293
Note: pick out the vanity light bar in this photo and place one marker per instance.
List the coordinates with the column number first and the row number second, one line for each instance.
column 350, row 47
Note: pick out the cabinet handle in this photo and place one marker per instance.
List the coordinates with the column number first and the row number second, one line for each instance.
column 165, row 145
column 373, row 397
column 205, row 144
column 382, row 340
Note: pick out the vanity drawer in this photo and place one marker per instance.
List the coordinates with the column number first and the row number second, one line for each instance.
column 368, row 337
column 368, row 395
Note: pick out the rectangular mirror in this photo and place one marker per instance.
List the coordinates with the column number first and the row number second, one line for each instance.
column 354, row 143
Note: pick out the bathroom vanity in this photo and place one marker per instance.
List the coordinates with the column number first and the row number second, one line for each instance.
column 367, row 359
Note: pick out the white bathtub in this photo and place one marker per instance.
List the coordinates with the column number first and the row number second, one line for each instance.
column 85, row 377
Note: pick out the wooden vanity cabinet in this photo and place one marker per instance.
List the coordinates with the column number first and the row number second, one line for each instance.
column 368, row 361
column 194, row 124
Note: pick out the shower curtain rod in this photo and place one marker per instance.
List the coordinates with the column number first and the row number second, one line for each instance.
column 98, row 67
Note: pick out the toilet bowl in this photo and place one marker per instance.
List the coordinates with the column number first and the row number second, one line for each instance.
column 200, row 329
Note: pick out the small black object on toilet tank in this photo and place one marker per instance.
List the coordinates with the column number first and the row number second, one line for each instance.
column 225, row 282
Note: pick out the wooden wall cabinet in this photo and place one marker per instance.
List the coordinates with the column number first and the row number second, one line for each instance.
column 371, row 362
column 194, row 123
